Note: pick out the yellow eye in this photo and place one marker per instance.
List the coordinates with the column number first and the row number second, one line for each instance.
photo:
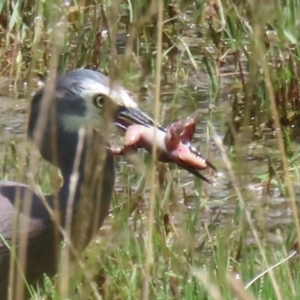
column 99, row 100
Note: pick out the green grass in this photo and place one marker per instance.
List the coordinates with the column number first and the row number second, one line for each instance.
column 245, row 49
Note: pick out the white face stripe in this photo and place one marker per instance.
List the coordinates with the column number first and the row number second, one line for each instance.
column 92, row 118
column 113, row 91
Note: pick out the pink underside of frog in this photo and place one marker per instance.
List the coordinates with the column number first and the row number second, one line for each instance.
column 171, row 146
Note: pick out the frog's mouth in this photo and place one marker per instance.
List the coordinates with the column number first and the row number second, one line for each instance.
column 187, row 157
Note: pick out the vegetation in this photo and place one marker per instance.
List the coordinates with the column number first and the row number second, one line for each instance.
column 235, row 65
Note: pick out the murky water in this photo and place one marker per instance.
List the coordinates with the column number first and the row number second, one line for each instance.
column 12, row 113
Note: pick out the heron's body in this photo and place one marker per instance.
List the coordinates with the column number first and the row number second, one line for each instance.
column 42, row 243
column 40, row 251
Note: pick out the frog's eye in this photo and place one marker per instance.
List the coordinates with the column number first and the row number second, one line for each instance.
column 99, row 100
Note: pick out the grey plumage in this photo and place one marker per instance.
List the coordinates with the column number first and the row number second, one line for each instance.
column 71, row 108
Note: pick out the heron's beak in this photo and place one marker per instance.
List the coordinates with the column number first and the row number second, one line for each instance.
column 127, row 116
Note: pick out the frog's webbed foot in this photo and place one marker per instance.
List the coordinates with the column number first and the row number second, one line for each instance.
column 184, row 129
column 188, row 130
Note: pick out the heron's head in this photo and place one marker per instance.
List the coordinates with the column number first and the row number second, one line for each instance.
column 78, row 100
column 81, row 96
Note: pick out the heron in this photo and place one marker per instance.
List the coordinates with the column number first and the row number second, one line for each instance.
column 76, row 102
column 64, row 124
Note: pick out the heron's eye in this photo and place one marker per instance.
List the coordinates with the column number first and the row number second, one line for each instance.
column 99, row 100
